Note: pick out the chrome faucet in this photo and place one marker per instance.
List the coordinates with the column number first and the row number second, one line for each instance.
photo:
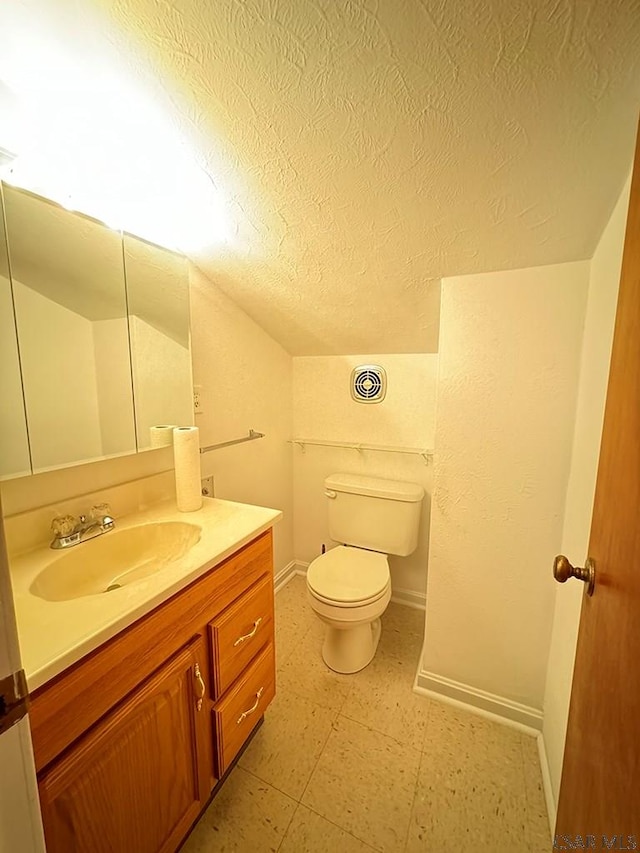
column 69, row 531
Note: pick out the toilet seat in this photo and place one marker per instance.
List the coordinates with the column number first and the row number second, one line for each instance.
column 347, row 577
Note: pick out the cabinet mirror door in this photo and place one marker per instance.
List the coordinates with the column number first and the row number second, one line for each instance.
column 158, row 294
column 14, row 445
column 71, row 317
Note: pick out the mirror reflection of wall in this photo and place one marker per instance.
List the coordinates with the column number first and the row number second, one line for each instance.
column 14, row 445
column 158, row 294
column 71, row 315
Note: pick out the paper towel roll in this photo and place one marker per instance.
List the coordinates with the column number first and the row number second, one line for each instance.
column 162, row 436
column 186, row 456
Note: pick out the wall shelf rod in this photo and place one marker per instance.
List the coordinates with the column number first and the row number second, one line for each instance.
column 383, row 448
column 252, row 436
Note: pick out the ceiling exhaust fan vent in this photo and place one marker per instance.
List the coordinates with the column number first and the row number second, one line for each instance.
column 368, row 383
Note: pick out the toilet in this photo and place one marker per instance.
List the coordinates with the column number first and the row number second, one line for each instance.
column 349, row 587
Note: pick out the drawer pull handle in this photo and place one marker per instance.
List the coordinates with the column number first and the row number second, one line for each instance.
column 251, row 633
column 252, row 708
column 200, row 688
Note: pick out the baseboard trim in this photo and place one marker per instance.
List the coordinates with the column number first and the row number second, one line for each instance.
column 409, row 598
column 498, row 708
column 547, row 787
column 282, row 578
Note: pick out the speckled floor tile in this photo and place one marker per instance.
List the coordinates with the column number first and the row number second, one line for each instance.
column 310, row 833
column 247, row 814
column 291, row 602
column 305, row 673
column 382, row 698
column 287, row 640
column 471, row 793
column 462, row 735
column 408, row 620
column 293, row 619
column 459, row 808
column 402, row 635
column 364, row 782
column 287, row 747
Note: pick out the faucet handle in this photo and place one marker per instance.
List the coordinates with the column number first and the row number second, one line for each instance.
column 63, row 525
column 101, row 514
column 99, row 511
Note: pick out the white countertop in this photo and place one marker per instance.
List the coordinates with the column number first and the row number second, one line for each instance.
column 55, row 634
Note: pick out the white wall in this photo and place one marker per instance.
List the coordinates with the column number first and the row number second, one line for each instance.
column 246, row 384
column 323, row 409
column 509, row 359
column 594, row 372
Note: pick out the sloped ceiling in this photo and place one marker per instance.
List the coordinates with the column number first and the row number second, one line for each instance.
column 367, row 149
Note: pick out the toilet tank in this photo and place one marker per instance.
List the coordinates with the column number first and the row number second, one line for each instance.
column 373, row 513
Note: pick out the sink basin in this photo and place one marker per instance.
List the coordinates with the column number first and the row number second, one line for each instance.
column 114, row 560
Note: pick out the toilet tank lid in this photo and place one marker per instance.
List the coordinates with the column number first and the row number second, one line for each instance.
column 376, row 487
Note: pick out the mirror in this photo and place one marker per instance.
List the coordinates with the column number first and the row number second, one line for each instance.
column 158, row 294
column 71, row 317
column 91, row 359
column 14, row 445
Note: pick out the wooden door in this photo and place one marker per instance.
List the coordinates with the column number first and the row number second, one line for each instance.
column 600, row 790
column 138, row 780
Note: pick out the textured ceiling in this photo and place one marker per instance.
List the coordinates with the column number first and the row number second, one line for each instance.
column 366, row 149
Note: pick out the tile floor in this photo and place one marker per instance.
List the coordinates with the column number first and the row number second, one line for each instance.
column 359, row 763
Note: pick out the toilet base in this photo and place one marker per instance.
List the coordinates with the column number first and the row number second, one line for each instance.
column 350, row 649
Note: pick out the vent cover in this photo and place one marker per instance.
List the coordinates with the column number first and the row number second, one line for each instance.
column 368, row 383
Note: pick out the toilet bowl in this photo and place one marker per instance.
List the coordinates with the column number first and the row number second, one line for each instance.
column 349, row 590
column 349, row 587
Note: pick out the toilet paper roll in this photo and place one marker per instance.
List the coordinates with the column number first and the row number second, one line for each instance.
column 162, row 435
column 186, row 457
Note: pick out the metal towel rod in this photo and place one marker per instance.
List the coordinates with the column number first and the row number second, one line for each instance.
column 384, row 448
column 252, row 436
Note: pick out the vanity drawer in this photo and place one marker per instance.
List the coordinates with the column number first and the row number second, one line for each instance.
column 242, row 707
column 238, row 634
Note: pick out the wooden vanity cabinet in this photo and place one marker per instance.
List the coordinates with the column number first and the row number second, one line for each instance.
column 132, row 773
column 137, row 780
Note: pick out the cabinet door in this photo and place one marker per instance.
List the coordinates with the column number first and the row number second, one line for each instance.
column 139, row 779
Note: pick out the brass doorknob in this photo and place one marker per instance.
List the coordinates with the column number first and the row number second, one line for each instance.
column 563, row 570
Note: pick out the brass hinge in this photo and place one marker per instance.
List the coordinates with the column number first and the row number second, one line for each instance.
column 14, row 699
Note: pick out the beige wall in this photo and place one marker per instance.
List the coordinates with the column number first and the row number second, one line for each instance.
column 245, row 378
column 509, row 358
column 323, row 409
column 594, row 371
